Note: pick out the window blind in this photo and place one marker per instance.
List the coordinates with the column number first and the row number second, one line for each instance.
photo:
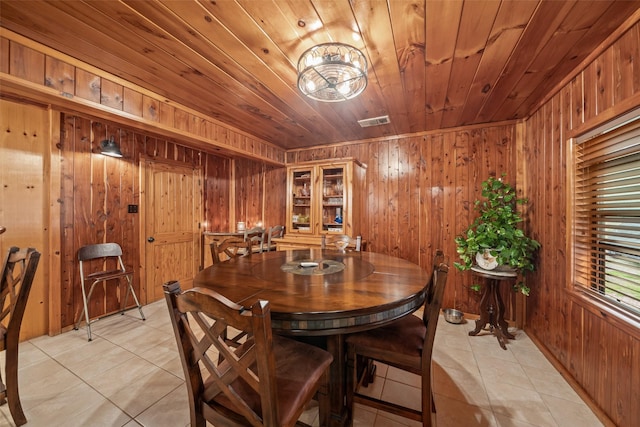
column 607, row 216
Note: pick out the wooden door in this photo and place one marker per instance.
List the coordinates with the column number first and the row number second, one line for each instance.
column 173, row 201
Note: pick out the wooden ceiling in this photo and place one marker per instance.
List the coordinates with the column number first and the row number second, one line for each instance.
column 432, row 64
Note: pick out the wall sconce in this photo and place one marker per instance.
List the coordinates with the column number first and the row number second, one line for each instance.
column 108, row 147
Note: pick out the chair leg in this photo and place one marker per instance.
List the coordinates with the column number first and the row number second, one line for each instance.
column 135, row 298
column 366, row 371
column 352, row 379
column 324, row 401
column 13, row 397
column 86, row 311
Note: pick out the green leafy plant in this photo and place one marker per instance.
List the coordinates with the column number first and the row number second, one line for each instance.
column 497, row 229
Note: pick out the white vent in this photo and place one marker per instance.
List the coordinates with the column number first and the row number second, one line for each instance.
column 374, row 121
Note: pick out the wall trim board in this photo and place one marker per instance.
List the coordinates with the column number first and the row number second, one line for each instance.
column 206, row 133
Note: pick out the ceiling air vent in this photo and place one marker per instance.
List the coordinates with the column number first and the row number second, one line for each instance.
column 374, row 121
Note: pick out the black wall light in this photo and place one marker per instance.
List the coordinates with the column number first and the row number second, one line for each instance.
column 108, row 147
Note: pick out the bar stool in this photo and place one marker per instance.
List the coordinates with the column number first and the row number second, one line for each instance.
column 108, row 252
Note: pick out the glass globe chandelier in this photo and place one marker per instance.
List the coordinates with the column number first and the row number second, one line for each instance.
column 332, row 72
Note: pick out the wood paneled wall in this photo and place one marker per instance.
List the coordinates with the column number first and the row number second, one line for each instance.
column 600, row 351
column 24, row 193
column 96, row 191
column 260, row 193
column 420, row 192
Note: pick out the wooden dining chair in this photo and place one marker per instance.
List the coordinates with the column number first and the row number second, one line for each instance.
column 267, row 381
column 341, row 242
column 274, row 232
column 229, row 248
column 406, row 344
column 255, row 236
column 18, row 271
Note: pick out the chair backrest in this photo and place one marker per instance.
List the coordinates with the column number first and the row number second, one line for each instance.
column 111, row 252
column 255, row 235
column 433, row 304
column 221, row 380
column 230, row 248
column 274, row 232
column 342, row 242
column 18, row 271
column 99, row 250
column 438, row 258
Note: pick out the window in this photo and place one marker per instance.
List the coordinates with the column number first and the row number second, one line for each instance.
column 606, row 217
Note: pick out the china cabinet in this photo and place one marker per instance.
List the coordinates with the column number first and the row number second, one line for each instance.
column 323, row 198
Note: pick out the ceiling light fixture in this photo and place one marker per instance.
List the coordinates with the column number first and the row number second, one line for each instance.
column 332, row 72
column 108, row 147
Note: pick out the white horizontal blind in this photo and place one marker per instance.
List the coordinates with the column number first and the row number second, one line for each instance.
column 607, row 216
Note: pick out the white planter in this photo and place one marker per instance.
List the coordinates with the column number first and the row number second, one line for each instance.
column 485, row 260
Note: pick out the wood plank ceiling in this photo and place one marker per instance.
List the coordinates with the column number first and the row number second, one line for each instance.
column 432, row 64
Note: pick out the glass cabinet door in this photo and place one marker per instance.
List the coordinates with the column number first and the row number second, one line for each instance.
column 333, row 198
column 301, row 215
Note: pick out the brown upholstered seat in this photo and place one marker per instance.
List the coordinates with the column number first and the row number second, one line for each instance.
column 406, row 344
column 229, row 248
column 266, row 381
column 18, row 271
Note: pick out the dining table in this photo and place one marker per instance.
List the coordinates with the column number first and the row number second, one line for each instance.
column 320, row 296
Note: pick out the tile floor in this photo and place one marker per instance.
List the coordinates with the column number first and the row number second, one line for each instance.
column 130, row 375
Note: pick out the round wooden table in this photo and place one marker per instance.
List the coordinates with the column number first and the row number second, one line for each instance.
column 335, row 294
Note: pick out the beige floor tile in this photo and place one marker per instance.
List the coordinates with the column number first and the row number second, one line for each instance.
column 570, row 413
column 495, row 371
column 532, row 357
column 310, row 415
column 402, row 394
column 363, row 416
column 43, row 381
column 121, row 376
column 55, row 345
column 135, row 337
column 94, row 359
column 461, row 360
column 487, row 347
column 381, row 369
column 5, row 417
column 77, row 406
column 505, row 421
column 461, row 386
column 520, row 404
column 455, row 413
column 165, row 355
column 551, row 383
column 373, row 389
column 385, row 419
column 132, row 368
column 171, row 410
column 28, row 354
column 142, row 393
column 404, row 377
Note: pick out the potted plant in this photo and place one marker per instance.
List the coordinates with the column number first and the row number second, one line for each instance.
column 494, row 235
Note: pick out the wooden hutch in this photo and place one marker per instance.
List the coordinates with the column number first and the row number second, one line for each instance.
column 322, row 198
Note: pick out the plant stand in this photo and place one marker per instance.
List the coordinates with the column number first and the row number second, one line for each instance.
column 491, row 304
